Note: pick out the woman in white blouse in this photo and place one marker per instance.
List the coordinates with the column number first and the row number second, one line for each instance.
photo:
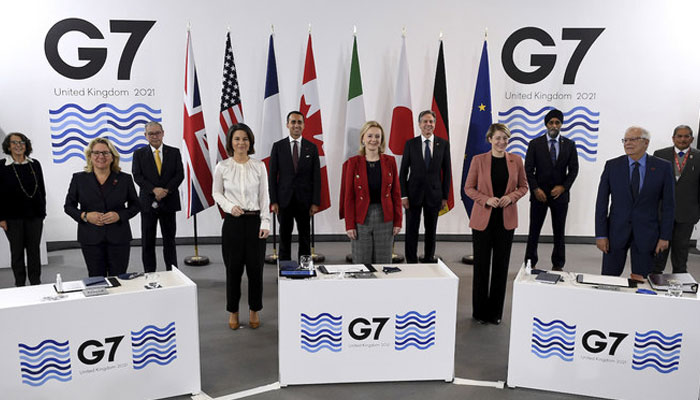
column 240, row 189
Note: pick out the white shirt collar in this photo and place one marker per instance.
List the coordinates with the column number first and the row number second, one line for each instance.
column 153, row 149
column 9, row 160
column 423, row 138
column 291, row 139
column 677, row 150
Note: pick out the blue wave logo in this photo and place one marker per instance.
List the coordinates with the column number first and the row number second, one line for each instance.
column 322, row 331
column 153, row 345
column 553, row 338
column 414, row 329
column 45, row 361
column 653, row 349
column 581, row 127
column 73, row 127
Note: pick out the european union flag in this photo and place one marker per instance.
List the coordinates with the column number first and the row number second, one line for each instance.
column 478, row 123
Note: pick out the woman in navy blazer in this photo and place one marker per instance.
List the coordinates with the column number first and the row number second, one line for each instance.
column 102, row 199
column 371, row 198
column 496, row 181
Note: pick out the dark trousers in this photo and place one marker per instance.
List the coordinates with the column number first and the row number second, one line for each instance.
column 242, row 249
column 149, row 225
column 430, row 219
column 680, row 242
column 299, row 212
column 538, row 212
column 25, row 235
column 491, row 258
column 614, row 260
column 105, row 259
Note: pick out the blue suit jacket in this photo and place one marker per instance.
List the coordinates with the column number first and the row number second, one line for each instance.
column 650, row 216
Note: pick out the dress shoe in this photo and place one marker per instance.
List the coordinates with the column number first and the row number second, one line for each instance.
column 637, row 278
column 557, row 268
column 233, row 321
column 254, row 320
column 496, row 321
column 479, row 320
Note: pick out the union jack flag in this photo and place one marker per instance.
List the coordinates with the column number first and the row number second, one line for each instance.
column 231, row 107
column 194, row 142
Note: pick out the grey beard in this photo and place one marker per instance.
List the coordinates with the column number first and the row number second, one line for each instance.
column 552, row 133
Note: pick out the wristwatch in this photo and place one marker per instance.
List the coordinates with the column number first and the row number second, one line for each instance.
column 83, row 216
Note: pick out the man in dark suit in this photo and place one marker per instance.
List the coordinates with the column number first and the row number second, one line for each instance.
column 686, row 168
column 295, row 186
column 639, row 189
column 158, row 171
column 551, row 166
column 425, row 177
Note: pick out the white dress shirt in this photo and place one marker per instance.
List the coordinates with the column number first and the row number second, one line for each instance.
column 243, row 185
column 291, row 145
column 430, row 143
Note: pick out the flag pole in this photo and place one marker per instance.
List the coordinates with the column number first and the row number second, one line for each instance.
column 272, row 258
column 196, row 260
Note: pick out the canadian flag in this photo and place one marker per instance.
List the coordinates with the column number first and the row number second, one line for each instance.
column 310, row 107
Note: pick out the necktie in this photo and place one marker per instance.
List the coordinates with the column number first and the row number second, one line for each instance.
column 634, row 182
column 553, row 151
column 681, row 154
column 427, row 153
column 295, row 155
column 159, row 164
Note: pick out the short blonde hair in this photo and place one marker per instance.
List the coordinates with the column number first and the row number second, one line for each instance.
column 365, row 128
column 115, row 155
column 493, row 128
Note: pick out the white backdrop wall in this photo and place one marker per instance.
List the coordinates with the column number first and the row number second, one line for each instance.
column 642, row 70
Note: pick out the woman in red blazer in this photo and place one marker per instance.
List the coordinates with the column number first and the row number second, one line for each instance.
column 496, row 181
column 371, row 198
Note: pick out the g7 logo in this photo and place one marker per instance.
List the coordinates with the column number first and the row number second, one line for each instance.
column 98, row 355
column 95, row 56
column 600, row 345
column 545, row 62
column 365, row 332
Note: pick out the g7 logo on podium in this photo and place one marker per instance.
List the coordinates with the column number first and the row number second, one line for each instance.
column 98, row 354
column 545, row 62
column 95, row 56
column 365, row 331
column 601, row 344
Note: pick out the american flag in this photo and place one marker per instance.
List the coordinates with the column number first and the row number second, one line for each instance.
column 231, row 107
column 194, row 142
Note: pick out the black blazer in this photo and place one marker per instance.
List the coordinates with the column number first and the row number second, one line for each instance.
column 146, row 176
column 84, row 194
column 542, row 174
column 687, row 186
column 423, row 186
column 305, row 184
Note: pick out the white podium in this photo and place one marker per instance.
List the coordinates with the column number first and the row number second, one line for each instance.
column 130, row 344
column 397, row 327
column 573, row 338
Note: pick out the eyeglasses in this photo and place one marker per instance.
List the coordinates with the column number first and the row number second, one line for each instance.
column 631, row 140
column 18, row 142
column 154, row 134
column 101, row 153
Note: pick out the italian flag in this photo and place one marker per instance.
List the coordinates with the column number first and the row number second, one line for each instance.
column 354, row 119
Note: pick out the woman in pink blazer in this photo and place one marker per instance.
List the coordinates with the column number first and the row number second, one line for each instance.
column 371, row 198
column 496, row 181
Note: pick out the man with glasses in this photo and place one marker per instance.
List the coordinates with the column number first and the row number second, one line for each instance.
column 158, row 171
column 686, row 168
column 634, row 185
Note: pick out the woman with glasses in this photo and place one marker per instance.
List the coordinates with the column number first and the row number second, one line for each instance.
column 22, row 207
column 102, row 199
